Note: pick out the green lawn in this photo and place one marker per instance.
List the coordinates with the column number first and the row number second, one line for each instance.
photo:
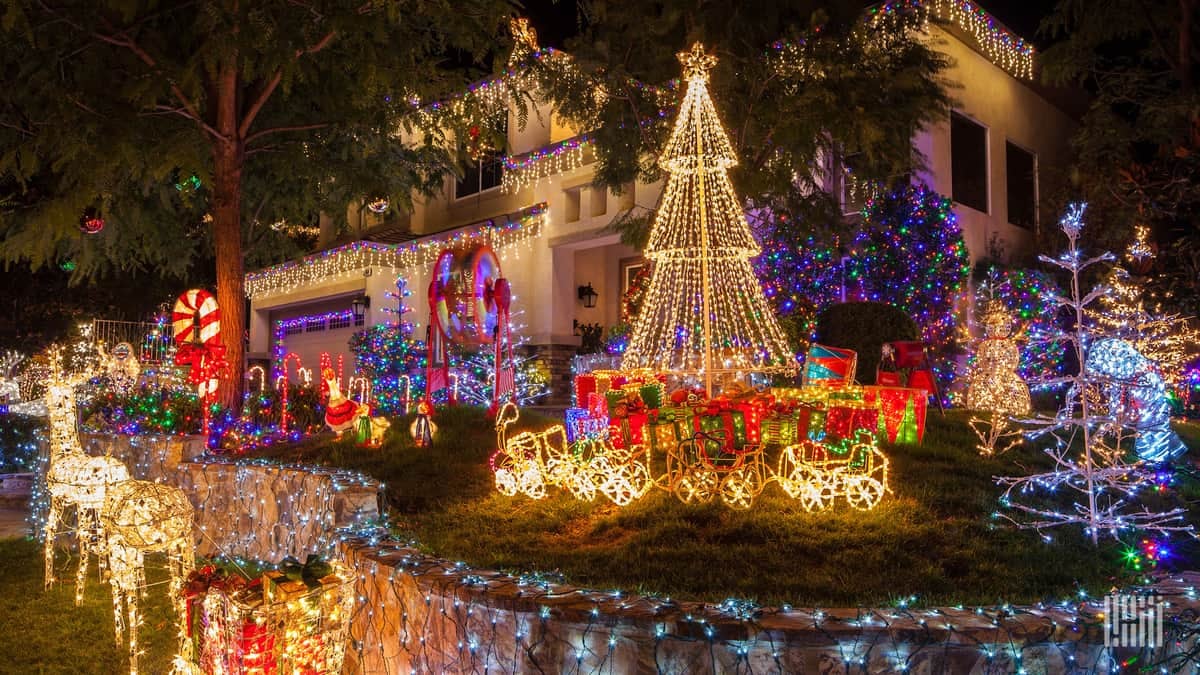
column 934, row 538
column 46, row 633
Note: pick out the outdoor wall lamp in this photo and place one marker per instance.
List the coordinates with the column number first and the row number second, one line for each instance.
column 588, row 295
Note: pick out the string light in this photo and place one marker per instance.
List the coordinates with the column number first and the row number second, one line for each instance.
column 1090, row 471
column 1166, row 339
column 817, row 473
column 529, row 169
column 1134, row 392
column 280, row 626
column 345, row 261
column 74, row 480
column 704, row 312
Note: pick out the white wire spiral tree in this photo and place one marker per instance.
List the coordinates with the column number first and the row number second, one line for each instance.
column 1103, row 481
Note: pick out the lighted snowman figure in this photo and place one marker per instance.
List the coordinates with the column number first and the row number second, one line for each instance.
column 994, row 385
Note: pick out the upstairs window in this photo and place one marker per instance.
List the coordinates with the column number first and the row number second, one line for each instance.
column 968, row 162
column 487, row 171
column 1021, row 178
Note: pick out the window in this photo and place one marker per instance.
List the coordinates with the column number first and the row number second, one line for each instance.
column 487, row 171
column 340, row 321
column 1020, row 168
column 315, row 325
column 968, row 162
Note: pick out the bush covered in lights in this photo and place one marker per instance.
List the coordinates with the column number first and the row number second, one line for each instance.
column 144, row 410
column 909, row 252
column 19, row 443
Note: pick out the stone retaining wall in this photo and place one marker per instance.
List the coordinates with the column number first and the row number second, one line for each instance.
column 247, row 509
column 419, row 614
column 154, row 458
column 267, row 511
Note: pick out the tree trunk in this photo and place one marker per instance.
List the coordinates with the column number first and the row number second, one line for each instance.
column 228, row 160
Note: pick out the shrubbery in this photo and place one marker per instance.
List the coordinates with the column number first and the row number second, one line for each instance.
column 864, row 327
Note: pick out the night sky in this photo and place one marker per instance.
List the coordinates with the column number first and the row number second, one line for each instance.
column 557, row 20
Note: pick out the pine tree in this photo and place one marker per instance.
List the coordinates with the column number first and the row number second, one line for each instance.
column 1091, row 468
column 704, row 313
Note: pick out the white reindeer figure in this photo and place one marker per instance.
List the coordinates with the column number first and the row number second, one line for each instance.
column 142, row 517
column 74, row 478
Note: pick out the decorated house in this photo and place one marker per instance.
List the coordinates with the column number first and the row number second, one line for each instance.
column 535, row 206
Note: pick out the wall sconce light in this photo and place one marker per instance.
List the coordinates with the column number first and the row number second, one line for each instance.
column 588, row 295
column 359, row 306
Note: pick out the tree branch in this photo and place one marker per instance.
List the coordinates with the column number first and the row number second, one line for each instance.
column 265, row 94
column 121, row 39
column 275, row 130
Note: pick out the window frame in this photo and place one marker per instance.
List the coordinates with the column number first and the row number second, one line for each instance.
column 1008, row 188
column 987, row 162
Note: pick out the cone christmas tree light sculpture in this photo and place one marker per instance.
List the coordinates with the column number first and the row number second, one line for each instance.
column 705, row 313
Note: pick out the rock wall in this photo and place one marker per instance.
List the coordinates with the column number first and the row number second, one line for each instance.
column 153, row 458
column 244, row 508
column 419, row 614
column 268, row 511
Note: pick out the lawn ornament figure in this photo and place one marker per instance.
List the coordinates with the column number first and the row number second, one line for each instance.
column 74, row 479
column 142, row 517
column 1133, row 389
column 341, row 412
column 422, row 428
column 369, row 430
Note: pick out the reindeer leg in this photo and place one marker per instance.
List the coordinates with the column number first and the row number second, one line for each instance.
column 134, row 623
column 118, row 600
column 86, row 531
column 50, row 533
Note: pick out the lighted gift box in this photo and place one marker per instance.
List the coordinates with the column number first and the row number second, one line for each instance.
column 902, row 412
column 282, row 627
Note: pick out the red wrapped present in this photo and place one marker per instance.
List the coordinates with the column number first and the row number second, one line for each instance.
column 585, row 384
column 903, row 412
column 844, row 419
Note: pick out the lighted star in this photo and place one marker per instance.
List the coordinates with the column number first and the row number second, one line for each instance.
column 696, row 63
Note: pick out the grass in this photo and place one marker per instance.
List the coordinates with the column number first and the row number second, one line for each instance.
column 46, row 633
column 934, row 538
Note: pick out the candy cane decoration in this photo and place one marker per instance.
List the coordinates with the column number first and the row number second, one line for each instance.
column 361, row 385
column 284, row 416
column 259, row 374
column 196, row 323
column 407, row 391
